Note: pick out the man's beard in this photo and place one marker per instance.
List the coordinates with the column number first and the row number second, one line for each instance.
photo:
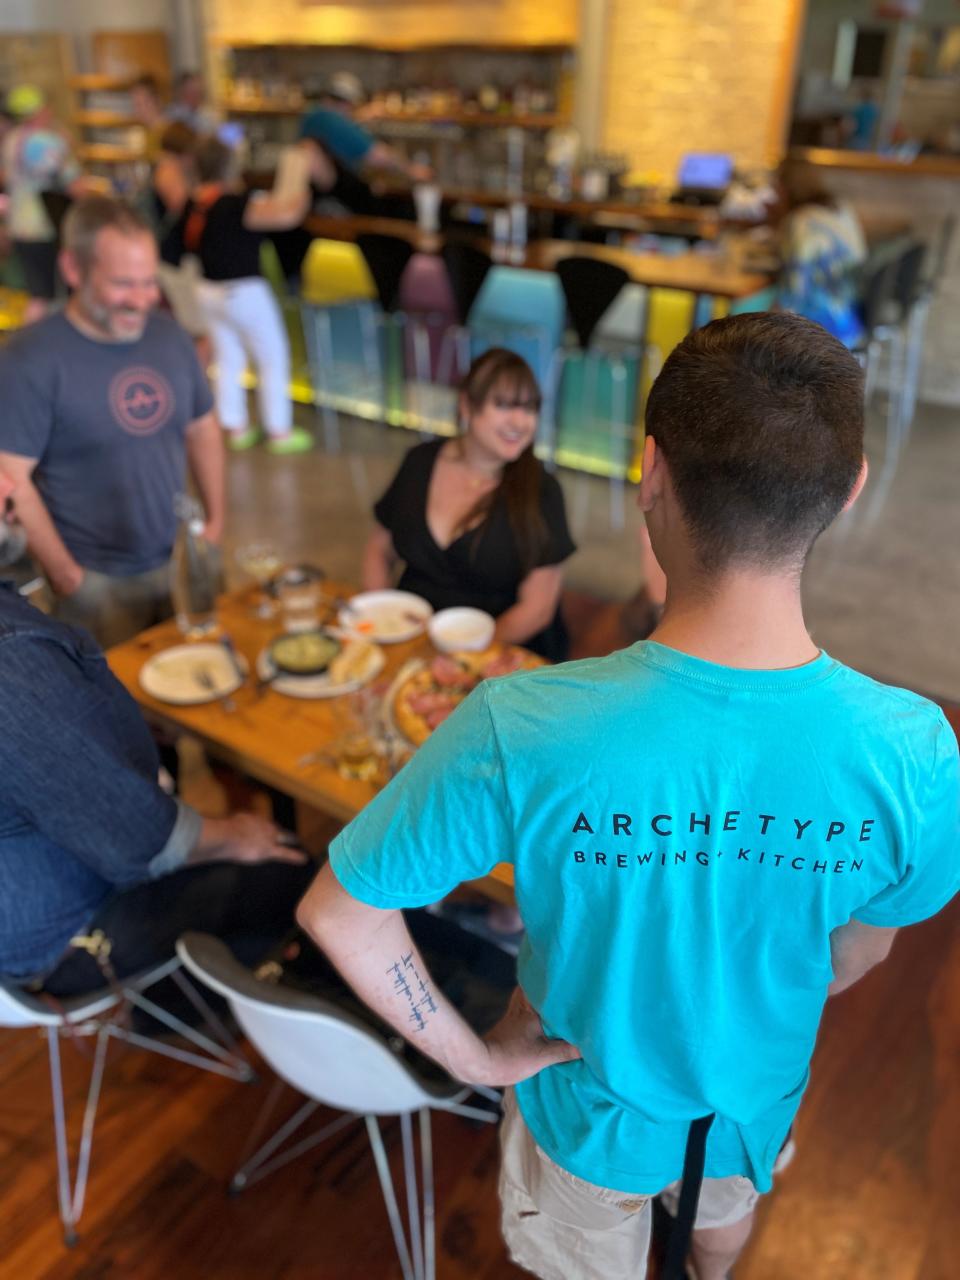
column 104, row 318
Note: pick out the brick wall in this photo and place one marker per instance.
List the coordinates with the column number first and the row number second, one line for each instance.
column 697, row 75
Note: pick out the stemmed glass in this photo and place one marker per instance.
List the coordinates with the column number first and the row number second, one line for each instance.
column 261, row 560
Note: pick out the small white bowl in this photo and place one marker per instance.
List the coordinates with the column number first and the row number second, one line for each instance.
column 461, row 630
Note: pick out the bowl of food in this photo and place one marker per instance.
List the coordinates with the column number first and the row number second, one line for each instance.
column 461, row 630
column 304, row 653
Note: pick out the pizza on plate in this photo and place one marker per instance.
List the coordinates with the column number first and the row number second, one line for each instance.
column 429, row 695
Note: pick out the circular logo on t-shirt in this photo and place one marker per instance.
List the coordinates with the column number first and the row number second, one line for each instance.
column 141, row 400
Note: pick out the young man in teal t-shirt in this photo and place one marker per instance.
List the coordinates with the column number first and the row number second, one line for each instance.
column 711, row 832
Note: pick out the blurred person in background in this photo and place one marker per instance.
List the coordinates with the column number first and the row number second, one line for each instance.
column 822, row 247
column 172, row 179
column 189, row 104
column 224, row 225
column 37, row 157
column 104, row 409
column 148, row 113
column 333, row 127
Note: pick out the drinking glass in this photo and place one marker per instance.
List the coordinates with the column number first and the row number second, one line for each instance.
column 298, row 591
column 261, row 560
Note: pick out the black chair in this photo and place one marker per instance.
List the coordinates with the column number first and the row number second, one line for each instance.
column 467, row 267
column 387, row 258
column 589, row 287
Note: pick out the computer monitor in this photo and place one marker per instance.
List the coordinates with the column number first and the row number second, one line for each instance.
column 705, row 171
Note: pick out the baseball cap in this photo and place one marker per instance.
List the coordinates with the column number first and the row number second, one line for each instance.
column 347, row 87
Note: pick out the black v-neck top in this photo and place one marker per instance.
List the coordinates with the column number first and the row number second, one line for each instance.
column 482, row 567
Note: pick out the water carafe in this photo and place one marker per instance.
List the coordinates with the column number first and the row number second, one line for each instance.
column 193, row 575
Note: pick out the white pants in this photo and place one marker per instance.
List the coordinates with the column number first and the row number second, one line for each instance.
column 244, row 321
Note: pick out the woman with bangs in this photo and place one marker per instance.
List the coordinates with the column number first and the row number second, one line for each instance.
column 477, row 520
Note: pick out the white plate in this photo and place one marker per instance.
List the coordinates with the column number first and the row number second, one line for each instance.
column 172, row 676
column 320, row 686
column 386, row 617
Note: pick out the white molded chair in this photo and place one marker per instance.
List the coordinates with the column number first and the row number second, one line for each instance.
column 336, row 1061
column 98, row 1015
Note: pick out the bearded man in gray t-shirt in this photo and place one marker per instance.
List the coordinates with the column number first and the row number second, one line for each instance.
column 104, row 408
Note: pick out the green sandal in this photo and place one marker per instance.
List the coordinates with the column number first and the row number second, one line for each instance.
column 240, row 441
column 298, row 441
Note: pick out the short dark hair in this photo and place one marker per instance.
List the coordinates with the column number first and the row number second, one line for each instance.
column 86, row 218
column 760, row 419
column 149, row 83
column 214, row 160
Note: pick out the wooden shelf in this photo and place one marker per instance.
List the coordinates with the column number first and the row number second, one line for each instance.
column 396, row 46
column 99, row 82
column 105, row 120
column 263, row 109
column 466, row 119
column 109, row 153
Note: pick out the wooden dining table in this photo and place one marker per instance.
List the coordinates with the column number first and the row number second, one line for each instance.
column 283, row 742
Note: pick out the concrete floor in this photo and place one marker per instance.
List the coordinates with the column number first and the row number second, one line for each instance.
column 883, row 598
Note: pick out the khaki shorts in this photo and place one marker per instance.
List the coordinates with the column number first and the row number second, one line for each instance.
column 560, row 1227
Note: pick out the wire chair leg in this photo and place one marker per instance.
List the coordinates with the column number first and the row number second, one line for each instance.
column 389, row 1197
column 71, row 1192
column 64, row 1189
column 413, row 1201
column 429, row 1206
column 219, row 1059
column 213, row 1023
column 89, row 1119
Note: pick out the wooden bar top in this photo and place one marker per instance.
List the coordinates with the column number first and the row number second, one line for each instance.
column 690, row 271
column 925, row 166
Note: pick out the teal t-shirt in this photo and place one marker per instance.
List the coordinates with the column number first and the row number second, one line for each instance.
column 684, row 838
column 343, row 137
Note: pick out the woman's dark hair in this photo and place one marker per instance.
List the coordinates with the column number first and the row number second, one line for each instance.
column 760, row 419
column 502, row 371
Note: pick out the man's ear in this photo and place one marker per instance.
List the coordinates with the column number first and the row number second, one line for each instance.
column 858, row 484
column 69, row 268
column 651, row 475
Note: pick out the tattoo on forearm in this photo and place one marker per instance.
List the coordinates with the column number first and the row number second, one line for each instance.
column 409, row 986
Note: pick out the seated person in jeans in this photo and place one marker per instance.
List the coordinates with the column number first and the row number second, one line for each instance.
column 89, row 841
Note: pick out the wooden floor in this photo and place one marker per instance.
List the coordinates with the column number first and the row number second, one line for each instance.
column 872, row 1194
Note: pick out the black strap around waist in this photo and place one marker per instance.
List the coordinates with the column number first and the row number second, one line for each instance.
column 674, row 1268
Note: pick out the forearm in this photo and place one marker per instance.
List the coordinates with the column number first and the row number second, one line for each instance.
column 375, row 954
column 205, row 455
column 521, row 622
column 386, row 158
column 377, row 571
column 43, row 540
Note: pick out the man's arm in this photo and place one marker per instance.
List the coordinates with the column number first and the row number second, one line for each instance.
column 43, row 540
column 855, row 949
column 374, row 952
column 382, row 156
column 205, row 455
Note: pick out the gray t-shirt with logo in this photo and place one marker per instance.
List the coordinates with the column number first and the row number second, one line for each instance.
column 106, row 423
